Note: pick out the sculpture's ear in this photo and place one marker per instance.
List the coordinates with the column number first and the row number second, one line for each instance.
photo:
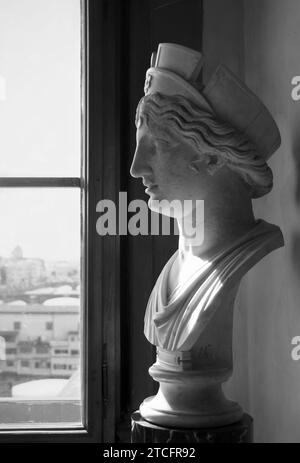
column 211, row 161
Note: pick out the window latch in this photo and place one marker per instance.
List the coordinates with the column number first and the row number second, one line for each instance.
column 104, row 378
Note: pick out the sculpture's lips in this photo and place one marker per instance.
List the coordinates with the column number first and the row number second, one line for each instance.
column 150, row 188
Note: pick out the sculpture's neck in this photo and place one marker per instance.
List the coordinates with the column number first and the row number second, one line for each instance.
column 225, row 219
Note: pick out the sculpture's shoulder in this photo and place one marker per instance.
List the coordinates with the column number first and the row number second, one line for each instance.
column 177, row 323
column 260, row 241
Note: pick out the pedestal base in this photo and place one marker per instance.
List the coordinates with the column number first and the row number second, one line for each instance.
column 190, row 398
column 144, row 431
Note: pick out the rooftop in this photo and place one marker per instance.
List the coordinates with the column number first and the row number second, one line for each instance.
column 38, row 308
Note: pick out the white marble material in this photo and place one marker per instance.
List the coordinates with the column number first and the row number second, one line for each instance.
column 185, row 152
column 193, row 332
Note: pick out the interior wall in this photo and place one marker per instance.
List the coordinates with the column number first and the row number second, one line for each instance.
column 272, row 38
column 259, row 39
column 223, row 40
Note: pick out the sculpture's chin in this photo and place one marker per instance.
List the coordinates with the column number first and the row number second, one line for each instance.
column 160, row 206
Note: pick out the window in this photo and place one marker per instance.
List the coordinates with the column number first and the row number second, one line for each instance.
column 10, row 351
column 25, row 363
column 42, row 348
column 49, row 182
column 74, row 352
column 59, row 366
column 25, row 348
column 61, row 351
column 41, row 189
column 10, row 363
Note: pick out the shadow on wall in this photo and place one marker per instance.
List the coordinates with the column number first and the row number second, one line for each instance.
column 271, row 60
column 295, row 239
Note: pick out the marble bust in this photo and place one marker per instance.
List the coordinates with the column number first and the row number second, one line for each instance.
column 212, row 144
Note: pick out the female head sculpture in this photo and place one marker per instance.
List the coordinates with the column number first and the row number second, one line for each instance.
column 221, row 132
column 175, row 115
column 210, row 143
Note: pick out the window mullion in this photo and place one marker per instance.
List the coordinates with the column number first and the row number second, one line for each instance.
column 46, row 182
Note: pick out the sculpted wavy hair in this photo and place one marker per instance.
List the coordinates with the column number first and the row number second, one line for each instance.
column 177, row 115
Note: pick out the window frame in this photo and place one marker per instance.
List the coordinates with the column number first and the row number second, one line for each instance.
column 100, row 328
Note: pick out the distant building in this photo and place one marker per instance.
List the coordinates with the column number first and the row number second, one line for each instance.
column 63, row 272
column 9, row 358
column 19, row 274
column 65, row 355
column 39, row 358
column 33, row 358
column 39, row 319
column 33, row 321
column 17, row 253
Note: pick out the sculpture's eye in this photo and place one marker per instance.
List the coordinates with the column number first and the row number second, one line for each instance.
column 165, row 143
column 163, row 140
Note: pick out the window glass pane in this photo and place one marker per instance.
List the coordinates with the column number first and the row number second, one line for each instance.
column 40, row 88
column 40, row 316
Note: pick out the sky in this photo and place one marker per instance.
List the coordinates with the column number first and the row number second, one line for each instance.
column 44, row 222
column 40, row 125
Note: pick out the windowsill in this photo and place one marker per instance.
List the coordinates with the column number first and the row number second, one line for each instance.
column 59, row 412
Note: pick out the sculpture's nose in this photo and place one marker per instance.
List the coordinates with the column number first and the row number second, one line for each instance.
column 139, row 166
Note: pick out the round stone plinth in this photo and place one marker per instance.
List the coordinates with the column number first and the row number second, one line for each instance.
column 144, row 431
column 204, row 414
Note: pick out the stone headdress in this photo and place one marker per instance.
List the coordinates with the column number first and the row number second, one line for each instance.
column 175, row 70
